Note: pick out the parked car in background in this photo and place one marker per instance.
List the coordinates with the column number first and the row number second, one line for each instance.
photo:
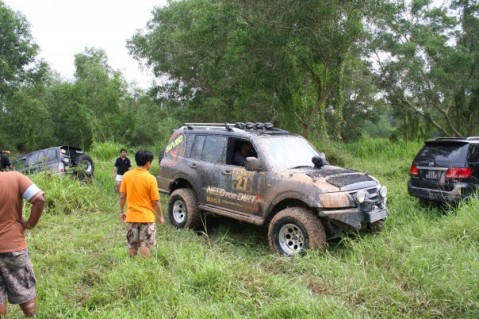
column 280, row 182
column 445, row 169
column 58, row 159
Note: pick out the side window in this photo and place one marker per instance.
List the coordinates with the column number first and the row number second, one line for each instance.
column 473, row 153
column 19, row 163
column 35, row 158
column 238, row 151
column 51, row 154
column 214, row 149
column 198, row 146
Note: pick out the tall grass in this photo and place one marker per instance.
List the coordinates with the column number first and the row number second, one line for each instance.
column 425, row 264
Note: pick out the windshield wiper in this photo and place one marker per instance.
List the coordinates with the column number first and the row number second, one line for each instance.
column 301, row 166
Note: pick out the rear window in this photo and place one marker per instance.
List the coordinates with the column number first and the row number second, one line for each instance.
column 442, row 152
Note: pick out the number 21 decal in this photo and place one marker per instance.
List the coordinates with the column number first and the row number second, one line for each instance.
column 242, row 183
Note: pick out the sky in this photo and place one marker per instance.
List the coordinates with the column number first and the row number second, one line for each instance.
column 63, row 28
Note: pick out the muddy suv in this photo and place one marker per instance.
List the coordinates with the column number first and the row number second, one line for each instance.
column 58, row 159
column 285, row 184
column 445, row 170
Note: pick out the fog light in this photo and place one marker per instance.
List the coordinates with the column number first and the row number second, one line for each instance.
column 360, row 196
column 383, row 191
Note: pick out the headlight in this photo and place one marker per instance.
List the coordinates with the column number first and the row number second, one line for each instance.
column 383, row 191
column 360, row 196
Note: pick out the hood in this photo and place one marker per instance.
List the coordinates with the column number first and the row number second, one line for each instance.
column 343, row 178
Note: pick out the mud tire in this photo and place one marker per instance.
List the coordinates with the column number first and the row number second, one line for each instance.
column 183, row 209
column 84, row 167
column 294, row 230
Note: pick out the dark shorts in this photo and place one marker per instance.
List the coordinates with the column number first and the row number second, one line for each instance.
column 17, row 280
column 141, row 235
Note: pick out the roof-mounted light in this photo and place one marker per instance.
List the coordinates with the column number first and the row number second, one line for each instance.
column 259, row 125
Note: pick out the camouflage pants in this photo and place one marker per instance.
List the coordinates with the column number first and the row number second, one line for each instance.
column 141, row 235
column 17, row 280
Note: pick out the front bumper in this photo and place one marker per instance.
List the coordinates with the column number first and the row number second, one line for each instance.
column 356, row 217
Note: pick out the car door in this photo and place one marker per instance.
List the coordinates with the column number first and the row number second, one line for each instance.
column 206, row 160
column 240, row 189
column 35, row 161
column 19, row 164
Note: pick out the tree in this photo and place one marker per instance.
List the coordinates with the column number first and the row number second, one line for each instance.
column 29, row 123
column 20, row 73
column 276, row 60
column 18, row 51
column 100, row 90
column 72, row 119
column 361, row 104
column 428, row 60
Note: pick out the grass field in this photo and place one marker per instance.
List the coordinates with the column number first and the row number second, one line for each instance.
column 425, row 264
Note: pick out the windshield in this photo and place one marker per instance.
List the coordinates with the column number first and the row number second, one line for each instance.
column 284, row 152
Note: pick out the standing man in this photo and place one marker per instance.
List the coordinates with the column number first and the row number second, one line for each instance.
column 139, row 191
column 122, row 165
column 17, row 280
column 4, row 161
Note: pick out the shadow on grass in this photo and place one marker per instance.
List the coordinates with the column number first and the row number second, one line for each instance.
column 218, row 230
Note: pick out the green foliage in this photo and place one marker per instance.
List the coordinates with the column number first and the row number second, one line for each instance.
column 17, row 50
column 428, row 66
column 29, row 131
column 66, row 195
column 277, row 61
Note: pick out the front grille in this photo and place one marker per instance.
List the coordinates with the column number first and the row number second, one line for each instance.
column 373, row 194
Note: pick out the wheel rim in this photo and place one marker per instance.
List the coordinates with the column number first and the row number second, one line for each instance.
column 291, row 239
column 86, row 167
column 179, row 211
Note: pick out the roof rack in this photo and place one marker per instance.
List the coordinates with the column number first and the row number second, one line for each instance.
column 473, row 138
column 238, row 125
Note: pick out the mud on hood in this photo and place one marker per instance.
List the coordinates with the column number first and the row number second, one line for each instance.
column 344, row 179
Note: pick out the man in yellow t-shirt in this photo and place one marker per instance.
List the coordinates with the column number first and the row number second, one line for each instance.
column 140, row 191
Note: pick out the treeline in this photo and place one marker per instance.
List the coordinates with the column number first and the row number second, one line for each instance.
column 39, row 109
column 325, row 69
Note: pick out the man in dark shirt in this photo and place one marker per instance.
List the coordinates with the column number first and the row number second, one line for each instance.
column 240, row 155
column 4, row 161
column 122, row 165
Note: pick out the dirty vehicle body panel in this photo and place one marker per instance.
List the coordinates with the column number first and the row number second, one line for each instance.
column 60, row 160
column 445, row 170
column 279, row 174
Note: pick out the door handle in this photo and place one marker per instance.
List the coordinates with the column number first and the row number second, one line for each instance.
column 226, row 172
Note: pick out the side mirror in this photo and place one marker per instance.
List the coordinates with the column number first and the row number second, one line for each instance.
column 253, row 164
column 320, row 160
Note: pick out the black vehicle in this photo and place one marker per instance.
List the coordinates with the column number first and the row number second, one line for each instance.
column 445, row 170
column 59, row 159
column 285, row 184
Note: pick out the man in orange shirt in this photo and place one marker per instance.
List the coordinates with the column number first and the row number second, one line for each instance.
column 140, row 191
column 17, row 280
